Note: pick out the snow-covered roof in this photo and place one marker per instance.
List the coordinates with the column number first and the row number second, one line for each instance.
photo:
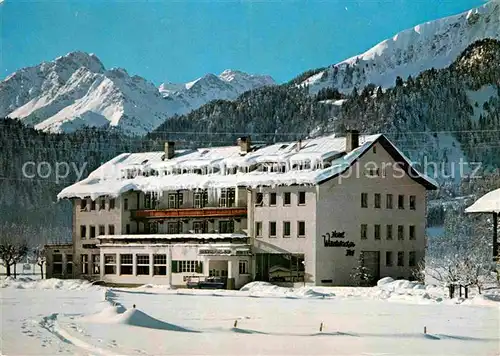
column 174, row 237
column 110, row 180
column 488, row 203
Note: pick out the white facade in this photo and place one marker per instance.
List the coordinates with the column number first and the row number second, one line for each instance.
column 328, row 215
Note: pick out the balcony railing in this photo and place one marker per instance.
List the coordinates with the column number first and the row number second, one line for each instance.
column 189, row 213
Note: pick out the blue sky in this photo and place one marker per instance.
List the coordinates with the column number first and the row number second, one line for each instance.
column 179, row 41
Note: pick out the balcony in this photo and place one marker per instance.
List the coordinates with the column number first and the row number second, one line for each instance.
column 189, row 213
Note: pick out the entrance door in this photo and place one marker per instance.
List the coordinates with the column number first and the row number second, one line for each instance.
column 371, row 260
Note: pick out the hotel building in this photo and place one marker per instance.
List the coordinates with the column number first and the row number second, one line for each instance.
column 305, row 212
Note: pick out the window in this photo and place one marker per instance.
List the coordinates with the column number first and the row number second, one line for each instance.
column 401, row 232
column 302, row 198
column 110, row 264
column 364, row 231
column 111, row 204
column 127, row 229
column 92, row 232
column 57, row 264
column 173, row 227
column 227, row 197
column 83, row 204
column 92, row 205
column 175, row 201
column 401, row 258
column 372, row 172
column 376, row 232
column 187, row 267
column 102, row 204
column 286, row 229
column 364, row 200
column 243, row 267
column 388, row 232
column 301, row 228
column 258, row 229
column 69, row 265
column 377, row 201
column 412, row 232
column 388, row 258
column 200, row 227
column 388, row 201
column 201, row 199
column 102, row 230
column 272, row 229
column 413, row 202
column 85, row 264
column 126, row 263
column 96, row 264
column 142, row 265
column 150, row 200
column 287, row 198
column 272, row 199
column 151, row 227
column 160, row 265
column 259, row 199
column 401, row 201
column 111, row 229
column 226, row 226
column 374, row 149
column 83, row 232
column 412, row 259
column 125, row 204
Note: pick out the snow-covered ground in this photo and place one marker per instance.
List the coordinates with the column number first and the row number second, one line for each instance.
column 75, row 317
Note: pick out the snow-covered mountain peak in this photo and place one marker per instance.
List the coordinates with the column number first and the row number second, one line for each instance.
column 434, row 44
column 76, row 90
column 227, row 85
column 79, row 59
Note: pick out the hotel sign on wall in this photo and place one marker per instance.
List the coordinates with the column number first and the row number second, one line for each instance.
column 334, row 239
column 215, row 252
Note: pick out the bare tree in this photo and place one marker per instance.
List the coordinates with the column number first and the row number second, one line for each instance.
column 40, row 258
column 462, row 256
column 12, row 252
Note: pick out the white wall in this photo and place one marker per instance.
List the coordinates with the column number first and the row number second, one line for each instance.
column 339, row 208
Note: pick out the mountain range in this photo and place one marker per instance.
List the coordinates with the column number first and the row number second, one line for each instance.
column 435, row 44
column 76, row 90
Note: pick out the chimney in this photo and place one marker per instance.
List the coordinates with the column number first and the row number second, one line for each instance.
column 351, row 140
column 169, row 149
column 245, row 144
column 299, row 146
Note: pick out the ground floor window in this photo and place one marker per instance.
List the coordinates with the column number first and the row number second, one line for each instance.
column 401, row 258
column 187, row 267
column 69, row 264
column 126, row 263
column 142, row 265
column 57, row 264
column 110, row 264
column 85, row 264
column 160, row 265
column 243, row 267
column 279, row 267
column 96, row 264
column 412, row 259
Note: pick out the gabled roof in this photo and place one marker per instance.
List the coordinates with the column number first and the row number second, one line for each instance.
column 488, row 203
column 399, row 157
column 107, row 180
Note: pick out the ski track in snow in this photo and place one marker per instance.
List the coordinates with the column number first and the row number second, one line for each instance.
column 260, row 319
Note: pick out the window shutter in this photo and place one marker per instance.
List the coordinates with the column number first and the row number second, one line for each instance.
column 174, row 267
column 199, row 267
